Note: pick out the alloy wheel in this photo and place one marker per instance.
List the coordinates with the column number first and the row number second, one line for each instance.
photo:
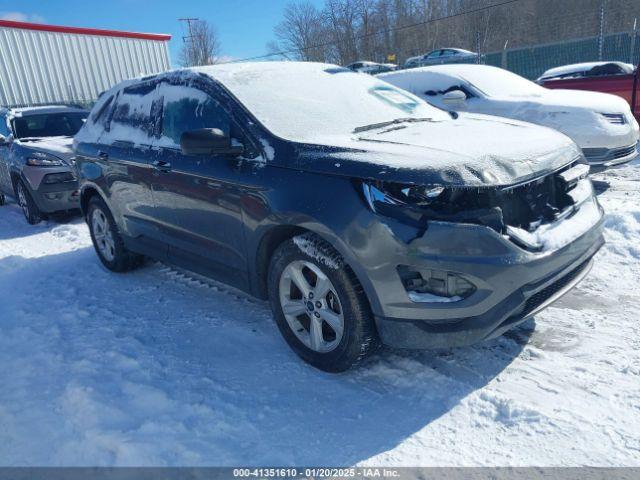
column 102, row 235
column 311, row 306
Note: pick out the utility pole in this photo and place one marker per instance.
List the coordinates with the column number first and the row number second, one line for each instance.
column 601, row 36
column 188, row 39
column 189, row 22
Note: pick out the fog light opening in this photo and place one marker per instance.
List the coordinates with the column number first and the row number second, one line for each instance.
column 434, row 286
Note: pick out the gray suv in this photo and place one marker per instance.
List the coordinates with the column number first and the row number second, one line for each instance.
column 365, row 217
column 35, row 159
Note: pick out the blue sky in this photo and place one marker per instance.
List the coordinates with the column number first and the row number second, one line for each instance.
column 244, row 26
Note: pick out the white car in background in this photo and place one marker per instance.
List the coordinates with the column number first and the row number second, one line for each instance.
column 601, row 124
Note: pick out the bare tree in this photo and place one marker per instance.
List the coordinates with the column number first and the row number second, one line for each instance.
column 300, row 32
column 201, row 46
column 343, row 31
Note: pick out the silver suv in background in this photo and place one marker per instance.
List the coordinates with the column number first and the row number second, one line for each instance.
column 35, row 159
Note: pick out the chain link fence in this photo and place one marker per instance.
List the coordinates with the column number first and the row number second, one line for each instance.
column 531, row 62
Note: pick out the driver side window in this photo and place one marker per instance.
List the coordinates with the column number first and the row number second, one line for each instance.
column 186, row 109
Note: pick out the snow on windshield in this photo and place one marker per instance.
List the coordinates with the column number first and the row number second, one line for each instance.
column 496, row 82
column 309, row 102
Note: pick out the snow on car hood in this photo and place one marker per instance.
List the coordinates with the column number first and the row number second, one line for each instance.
column 572, row 100
column 576, row 113
column 473, row 150
column 60, row 147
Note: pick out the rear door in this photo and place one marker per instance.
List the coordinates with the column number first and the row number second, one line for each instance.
column 125, row 154
column 198, row 197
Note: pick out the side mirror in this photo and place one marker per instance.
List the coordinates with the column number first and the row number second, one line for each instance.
column 454, row 98
column 5, row 140
column 208, row 141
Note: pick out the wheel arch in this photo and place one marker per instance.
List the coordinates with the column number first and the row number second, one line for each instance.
column 86, row 194
column 15, row 176
column 278, row 234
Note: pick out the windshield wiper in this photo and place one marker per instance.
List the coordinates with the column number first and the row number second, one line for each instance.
column 375, row 126
column 29, row 139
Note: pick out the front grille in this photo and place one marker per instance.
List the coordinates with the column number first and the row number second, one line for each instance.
column 604, row 154
column 539, row 298
column 623, row 152
column 615, row 118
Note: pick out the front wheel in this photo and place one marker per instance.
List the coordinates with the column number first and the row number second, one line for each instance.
column 107, row 240
column 29, row 208
column 319, row 306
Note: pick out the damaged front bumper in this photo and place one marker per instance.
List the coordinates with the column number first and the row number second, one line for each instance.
column 511, row 282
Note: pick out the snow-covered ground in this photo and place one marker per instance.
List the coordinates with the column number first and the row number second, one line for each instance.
column 154, row 368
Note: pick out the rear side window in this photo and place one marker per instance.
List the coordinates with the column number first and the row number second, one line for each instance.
column 99, row 117
column 187, row 108
column 132, row 119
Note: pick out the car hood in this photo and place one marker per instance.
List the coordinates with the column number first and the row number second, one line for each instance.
column 472, row 150
column 569, row 101
column 60, row 147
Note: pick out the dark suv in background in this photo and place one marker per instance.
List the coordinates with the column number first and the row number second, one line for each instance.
column 35, row 159
column 362, row 213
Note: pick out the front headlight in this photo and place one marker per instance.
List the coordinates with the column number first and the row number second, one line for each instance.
column 417, row 204
column 38, row 159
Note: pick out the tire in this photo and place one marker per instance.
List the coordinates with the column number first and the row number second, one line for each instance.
column 107, row 240
column 3, row 199
column 329, row 349
column 29, row 208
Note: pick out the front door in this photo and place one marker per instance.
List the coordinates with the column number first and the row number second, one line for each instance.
column 199, row 196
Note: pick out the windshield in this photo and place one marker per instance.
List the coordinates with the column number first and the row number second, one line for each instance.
column 496, row 82
column 309, row 102
column 59, row 124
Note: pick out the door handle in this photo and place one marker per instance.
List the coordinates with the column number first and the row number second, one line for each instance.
column 103, row 155
column 162, row 165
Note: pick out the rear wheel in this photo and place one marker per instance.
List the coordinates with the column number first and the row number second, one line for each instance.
column 319, row 306
column 107, row 240
column 25, row 200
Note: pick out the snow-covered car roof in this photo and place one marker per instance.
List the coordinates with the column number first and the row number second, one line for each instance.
column 327, row 105
column 584, row 68
column 311, row 102
column 487, row 80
